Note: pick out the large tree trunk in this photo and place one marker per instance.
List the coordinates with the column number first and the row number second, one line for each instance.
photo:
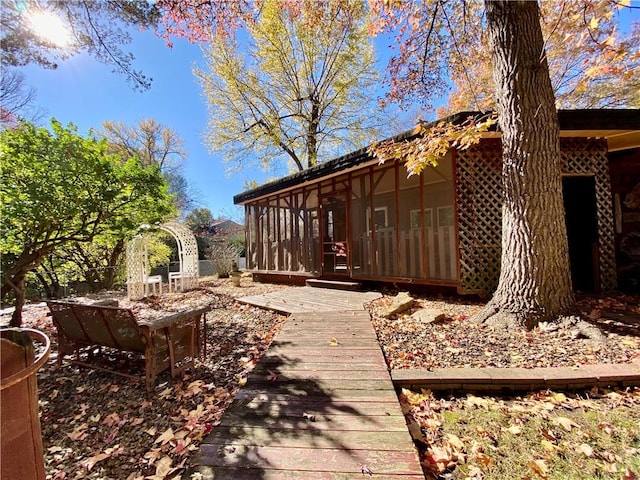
column 535, row 282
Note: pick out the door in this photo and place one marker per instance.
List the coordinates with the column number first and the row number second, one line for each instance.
column 582, row 231
column 335, row 245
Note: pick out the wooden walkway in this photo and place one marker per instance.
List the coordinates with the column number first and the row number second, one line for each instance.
column 309, row 299
column 320, row 405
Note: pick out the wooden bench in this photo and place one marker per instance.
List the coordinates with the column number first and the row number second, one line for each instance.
column 168, row 342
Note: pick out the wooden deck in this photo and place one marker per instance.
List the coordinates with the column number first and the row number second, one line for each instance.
column 310, row 299
column 320, row 405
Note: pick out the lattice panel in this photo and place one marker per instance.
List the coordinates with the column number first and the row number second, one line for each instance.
column 589, row 156
column 479, row 196
column 187, row 253
column 136, row 267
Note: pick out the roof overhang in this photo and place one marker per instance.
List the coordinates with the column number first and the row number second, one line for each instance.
column 621, row 128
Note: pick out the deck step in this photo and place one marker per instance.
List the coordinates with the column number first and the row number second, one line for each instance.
column 334, row 284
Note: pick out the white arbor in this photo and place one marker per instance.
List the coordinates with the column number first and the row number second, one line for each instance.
column 138, row 280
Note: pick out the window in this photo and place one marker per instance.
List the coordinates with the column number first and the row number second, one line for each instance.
column 381, row 218
column 414, row 218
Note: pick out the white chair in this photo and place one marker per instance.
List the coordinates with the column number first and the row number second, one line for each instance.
column 153, row 284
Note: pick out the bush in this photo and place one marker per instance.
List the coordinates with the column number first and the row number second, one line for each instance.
column 223, row 255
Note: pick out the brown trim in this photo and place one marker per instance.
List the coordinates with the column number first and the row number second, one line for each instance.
column 261, row 274
column 372, row 223
column 454, row 180
column 425, row 260
column 396, row 187
column 586, row 120
column 279, row 263
column 348, row 190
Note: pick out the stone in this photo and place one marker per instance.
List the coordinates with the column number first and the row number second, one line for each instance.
column 429, row 315
column 401, row 302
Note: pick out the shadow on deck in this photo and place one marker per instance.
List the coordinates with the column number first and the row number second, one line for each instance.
column 319, row 405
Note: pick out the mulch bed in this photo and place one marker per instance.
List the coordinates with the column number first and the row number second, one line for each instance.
column 97, row 425
column 453, row 342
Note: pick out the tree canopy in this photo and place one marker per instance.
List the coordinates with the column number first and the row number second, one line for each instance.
column 58, row 188
column 97, row 27
column 300, row 86
column 441, row 45
column 153, row 144
column 593, row 62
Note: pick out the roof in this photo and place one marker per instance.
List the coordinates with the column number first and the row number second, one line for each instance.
column 621, row 127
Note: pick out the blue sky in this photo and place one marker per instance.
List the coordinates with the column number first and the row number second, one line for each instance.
column 86, row 93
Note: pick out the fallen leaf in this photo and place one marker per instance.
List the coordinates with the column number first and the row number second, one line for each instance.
column 483, row 458
column 165, row 437
column 111, row 419
column 333, row 342
column 163, row 467
column 365, row 470
column 606, row 427
column 455, row 442
column 540, row 467
column 439, row 457
column 475, row 473
column 547, row 445
column 90, row 462
column 548, row 434
column 564, row 422
column 78, row 433
column 586, row 449
column 514, row 429
column 558, row 397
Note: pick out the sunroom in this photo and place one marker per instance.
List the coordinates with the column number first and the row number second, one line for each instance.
column 352, row 218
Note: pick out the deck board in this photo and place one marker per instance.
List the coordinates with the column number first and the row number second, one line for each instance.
column 309, row 299
column 314, row 409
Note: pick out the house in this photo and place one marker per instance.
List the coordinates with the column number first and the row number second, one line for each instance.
column 219, row 230
column 352, row 218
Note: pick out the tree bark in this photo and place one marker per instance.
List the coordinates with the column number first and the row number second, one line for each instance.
column 13, row 280
column 110, row 275
column 535, row 282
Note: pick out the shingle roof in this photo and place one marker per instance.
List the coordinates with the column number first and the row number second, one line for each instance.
column 583, row 119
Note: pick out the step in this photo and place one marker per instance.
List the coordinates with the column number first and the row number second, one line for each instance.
column 334, row 284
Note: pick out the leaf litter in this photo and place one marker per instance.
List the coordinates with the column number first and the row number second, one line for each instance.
column 97, row 425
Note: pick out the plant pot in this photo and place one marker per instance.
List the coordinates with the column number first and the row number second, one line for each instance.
column 21, row 445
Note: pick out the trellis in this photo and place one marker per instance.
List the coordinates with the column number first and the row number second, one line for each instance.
column 138, row 280
column 479, row 196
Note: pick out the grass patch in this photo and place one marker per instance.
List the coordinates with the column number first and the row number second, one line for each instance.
column 548, row 435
